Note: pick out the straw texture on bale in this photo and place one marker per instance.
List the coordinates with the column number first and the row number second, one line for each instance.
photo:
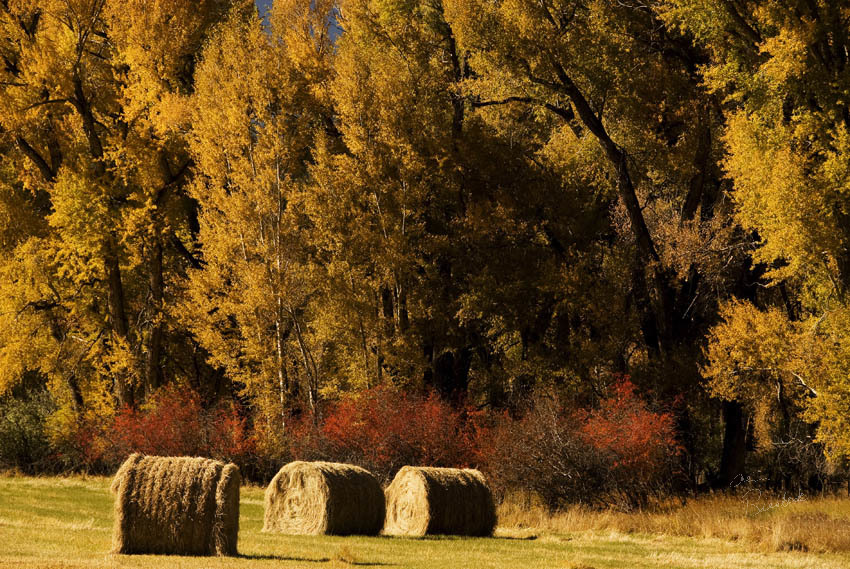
column 445, row 501
column 176, row 505
column 324, row 498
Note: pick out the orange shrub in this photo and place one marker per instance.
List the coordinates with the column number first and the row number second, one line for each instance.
column 383, row 429
column 174, row 423
column 637, row 442
column 620, row 454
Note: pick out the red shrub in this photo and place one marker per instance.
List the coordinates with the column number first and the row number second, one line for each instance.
column 638, row 442
column 384, row 429
column 174, row 423
column 617, row 455
column 84, row 447
column 228, row 433
column 169, row 425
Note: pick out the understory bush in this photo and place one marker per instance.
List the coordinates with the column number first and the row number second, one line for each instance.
column 383, row 429
column 621, row 454
column 24, row 444
column 174, row 423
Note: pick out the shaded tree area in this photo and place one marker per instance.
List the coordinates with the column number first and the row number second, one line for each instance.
column 490, row 201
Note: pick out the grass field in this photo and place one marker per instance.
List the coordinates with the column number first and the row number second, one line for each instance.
column 67, row 522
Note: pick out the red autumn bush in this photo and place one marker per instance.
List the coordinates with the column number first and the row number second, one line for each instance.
column 168, row 425
column 82, row 445
column 228, row 434
column 637, row 442
column 174, row 423
column 620, row 454
column 383, row 429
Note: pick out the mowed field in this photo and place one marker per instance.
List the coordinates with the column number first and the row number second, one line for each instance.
column 67, row 522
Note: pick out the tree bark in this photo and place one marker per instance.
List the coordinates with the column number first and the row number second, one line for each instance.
column 449, row 372
column 118, row 320
column 702, row 159
column 282, row 377
column 153, row 358
column 732, row 461
column 617, row 157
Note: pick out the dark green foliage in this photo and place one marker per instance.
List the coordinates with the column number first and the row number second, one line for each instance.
column 24, row 444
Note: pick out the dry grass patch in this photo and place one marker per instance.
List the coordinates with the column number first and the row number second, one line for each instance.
column 24, row 545
column 819, row 525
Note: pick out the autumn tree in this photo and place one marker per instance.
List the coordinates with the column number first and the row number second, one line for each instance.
column 94, row 101
column 781, row 68
column 260, row 100
column 569, row 59
column 427, row 220
column 385, row 209
column 625, row 99
column 479, row 198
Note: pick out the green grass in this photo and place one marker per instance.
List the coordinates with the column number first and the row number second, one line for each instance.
column 67, row 522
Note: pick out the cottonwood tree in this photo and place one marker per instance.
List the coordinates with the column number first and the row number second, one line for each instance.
column 424, row 220
column 625, row 92
column 782, row 68
column 94, row 106
column 260, row 100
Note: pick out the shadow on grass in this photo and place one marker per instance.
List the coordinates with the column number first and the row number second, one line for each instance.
column 464, row 538
column 310, row 560
column 283, row 558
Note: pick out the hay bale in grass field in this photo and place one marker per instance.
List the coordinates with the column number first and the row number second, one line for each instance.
column 324, row 498
column 447, row 501
column 176, row 505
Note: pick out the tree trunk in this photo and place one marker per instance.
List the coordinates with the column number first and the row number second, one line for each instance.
column 153, row 368
column 732, row 461
column 702, row 163
column 309, row 367
column 76, row 393
column 118, row 318
column 282, row 376
column 449, row 372
column 664, row 294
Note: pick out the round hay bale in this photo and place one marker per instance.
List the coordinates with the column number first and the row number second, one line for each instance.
column 324, row 498
column 446, row 501
column 176, row 505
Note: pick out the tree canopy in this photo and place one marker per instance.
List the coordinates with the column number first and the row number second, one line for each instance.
column 483, row 199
